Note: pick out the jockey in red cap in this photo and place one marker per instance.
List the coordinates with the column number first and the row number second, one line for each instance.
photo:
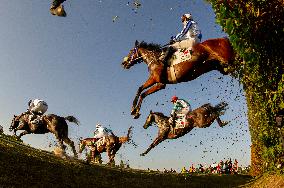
column 180, row 109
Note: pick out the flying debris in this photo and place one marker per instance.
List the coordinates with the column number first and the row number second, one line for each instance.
column 114, row 18
column 136, row 5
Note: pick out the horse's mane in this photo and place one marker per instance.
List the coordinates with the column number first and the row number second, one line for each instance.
column 150, row 46
column 160, row 114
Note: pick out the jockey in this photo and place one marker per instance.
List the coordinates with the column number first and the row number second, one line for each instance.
column 189, row 36
column 102, row 132
column 37, row 108
column 180, row 109
column 57, row 8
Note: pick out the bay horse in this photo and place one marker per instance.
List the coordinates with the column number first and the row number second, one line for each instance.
column 110, row 144
column 212, row 54
column 201, row 117
column 50, row 123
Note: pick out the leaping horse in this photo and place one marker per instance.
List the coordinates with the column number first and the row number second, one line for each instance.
column 109, row 144
column 201, row 117
column 212, row 54
column 51, row 123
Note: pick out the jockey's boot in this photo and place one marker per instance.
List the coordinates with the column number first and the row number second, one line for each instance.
column 57, row 8
column 172, row 124
column 56, row 3
column 165, row 56
column 36, row 121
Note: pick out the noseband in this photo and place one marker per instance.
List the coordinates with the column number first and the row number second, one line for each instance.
column 134, row 52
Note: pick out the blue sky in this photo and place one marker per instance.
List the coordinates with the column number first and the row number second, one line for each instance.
column 74, row 63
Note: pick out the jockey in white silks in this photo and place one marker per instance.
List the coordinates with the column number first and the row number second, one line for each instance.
column 189, row 36
column 180, row 109
column 37, row 108
column 102, row 132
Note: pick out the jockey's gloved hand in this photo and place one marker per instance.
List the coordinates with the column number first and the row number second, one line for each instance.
column 173, row 115
column 172, row 40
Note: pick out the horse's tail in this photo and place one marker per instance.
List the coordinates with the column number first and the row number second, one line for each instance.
column 72, row 119
column 126, row 138
column 221, row 107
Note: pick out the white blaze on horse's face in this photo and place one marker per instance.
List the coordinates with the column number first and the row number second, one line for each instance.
column 125, row 59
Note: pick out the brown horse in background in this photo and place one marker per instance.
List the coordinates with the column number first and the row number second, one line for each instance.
column 212, row 54
column 201, row 117
column 110, row 144
column 51, row 123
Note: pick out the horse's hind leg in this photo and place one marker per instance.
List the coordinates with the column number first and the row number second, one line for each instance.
column 221, row 123
column 111, row 155
column 72, row 145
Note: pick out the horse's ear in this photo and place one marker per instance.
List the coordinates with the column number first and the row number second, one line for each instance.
column 15, row 116
column 151, row 112
column 136, row 43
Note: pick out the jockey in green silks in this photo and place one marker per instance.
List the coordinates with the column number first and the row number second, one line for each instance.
column 180, row 109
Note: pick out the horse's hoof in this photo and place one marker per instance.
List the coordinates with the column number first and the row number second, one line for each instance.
column 52, row 11
column 136, row 116
column 133, row 112
column 142, row 154
column 224, row 123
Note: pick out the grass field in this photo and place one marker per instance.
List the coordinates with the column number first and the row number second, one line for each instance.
column 23, row 166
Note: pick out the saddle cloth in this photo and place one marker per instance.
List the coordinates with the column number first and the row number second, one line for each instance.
column 179, row 56
column 101, row 141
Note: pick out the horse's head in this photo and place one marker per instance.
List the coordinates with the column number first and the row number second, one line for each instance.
column 133, row 57
column 15, row 123
column 150, row 119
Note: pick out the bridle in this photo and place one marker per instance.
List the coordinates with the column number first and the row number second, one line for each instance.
column 135, row 52
column 138, row 58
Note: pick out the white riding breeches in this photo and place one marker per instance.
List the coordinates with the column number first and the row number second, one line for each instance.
column 187, row 43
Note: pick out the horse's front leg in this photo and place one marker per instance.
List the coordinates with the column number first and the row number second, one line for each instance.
column 15, row 132
column 22, row 134
column 20, row 127
column 158, row 140
column 157, row 87
column 146, row 85
column 134, row 103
